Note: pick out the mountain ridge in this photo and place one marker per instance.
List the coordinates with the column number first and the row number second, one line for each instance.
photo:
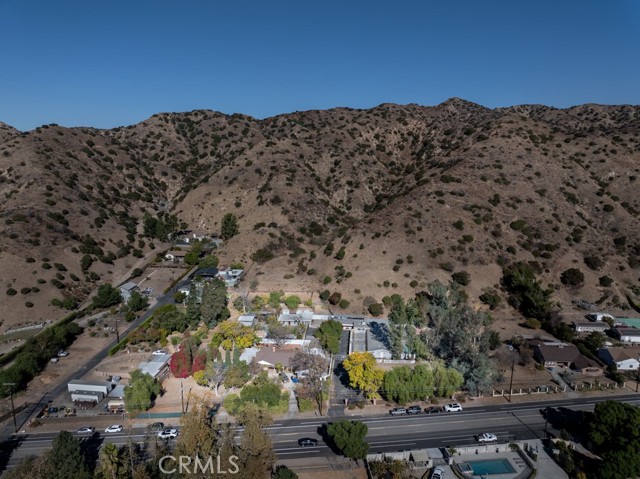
column 423, row 179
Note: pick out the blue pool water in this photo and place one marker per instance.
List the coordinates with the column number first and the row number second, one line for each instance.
column 489, row 466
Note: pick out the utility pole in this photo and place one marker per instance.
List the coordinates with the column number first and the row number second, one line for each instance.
column 182, row 396
column 513, row 365
column 13, row 409
column 117, row 332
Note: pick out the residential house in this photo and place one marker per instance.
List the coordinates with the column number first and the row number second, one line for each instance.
column 176, row 255
column 627, row 335
column 126, row 289
column 270, row 357
column 231, row 277
column 586, row 366
column 157, row 366
column 589, row 326
column 205, row 273
column 247, row 319
column 554, row 355
column 625, row 359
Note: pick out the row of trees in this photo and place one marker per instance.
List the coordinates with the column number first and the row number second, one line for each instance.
column 200, row 437
column 403, row 384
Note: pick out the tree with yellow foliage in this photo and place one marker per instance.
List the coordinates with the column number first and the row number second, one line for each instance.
column 232, row 334
column 364, row 373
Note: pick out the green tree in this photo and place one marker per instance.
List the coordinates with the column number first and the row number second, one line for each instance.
column 106, row 296
column 292, row 302
column 572, row 277
column 526, row 292
column 213, row 307
column 137, row 302
column 256, row 454
column 237, row 375
column 229, row 227
column 141, row 392
column 191, row 258
column 209, row 261
column 283, row 472
column 110, row 463
column 349, row 437
column 192, row 310
column 231, row 334
column 66, row 460
column 329, row 334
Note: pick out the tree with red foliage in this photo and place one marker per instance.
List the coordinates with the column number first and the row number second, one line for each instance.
column 199, row 362
column 181, row 362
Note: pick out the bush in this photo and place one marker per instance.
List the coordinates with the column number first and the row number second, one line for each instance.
column 593, row 262
column 605, row 281
column 572, row 277
column 376, row 309
column 344, row 304
column 326, row 280
column 325, row 295
column 491, row 299
column 461, row 277
column 413, row 283
column 136, row 272
column 262, row 256
column 335, row 298
column 11, row 292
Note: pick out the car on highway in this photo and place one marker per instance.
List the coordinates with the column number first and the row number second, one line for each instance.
column 114, row 428
column 432, row 410
column 168, row 434
column 86, row 431
column 307, row 442
column 455, row 407
column 487, row 437
column 414, row 410
column 438, row 473
column 398, row 411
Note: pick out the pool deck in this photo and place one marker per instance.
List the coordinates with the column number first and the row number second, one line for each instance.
column 545, row 465
column 514, row 459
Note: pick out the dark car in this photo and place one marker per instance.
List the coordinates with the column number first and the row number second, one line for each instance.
column 398, row 411
column 432, row 410
column 414, row 410
column 156, row 427
column 307, row 441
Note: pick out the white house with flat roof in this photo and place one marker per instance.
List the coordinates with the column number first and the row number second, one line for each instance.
column 627, row 335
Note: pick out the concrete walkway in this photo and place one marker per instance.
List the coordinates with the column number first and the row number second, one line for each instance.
column 293, row 411
column 568, row 391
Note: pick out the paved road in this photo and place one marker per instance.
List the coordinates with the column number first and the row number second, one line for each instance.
column 386, row 434
column 21, row 418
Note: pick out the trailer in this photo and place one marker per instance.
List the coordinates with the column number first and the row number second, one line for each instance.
column 95, row 386
column 87, row 396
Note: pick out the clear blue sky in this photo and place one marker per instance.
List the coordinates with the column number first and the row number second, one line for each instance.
column 115, row 62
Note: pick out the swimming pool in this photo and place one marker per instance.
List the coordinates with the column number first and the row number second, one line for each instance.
column 632, row 322
column 489, row 466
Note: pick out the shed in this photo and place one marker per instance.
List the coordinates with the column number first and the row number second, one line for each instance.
column 117, row 392
column 87, row 396
column 95, row 386
column 126, row 289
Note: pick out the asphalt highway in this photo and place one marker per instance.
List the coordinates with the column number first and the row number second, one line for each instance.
column 508, row 422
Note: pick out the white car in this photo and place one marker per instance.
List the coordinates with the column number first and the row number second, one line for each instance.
column 86, row 431
column 62, row 354
column 455, row 407
column 158, row 352
column 486, row 437
column 438, row 473
column 114, row 428
column 168, row 434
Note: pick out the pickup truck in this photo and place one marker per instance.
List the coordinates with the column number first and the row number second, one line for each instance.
column 486, row 437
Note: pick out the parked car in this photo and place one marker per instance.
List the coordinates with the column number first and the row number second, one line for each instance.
column 307, row 441
column 115, row 379
column 114, row 428
column 168, row 434
column 438, row 473
column 156, row 426
column 486, row 437
column 159, row 352
column 432, row 410
column 54, row 360
column 455, row 407
column 284, row 377
column 414, row 410
column 86, row 431
column 62, row 354
column 398, row 411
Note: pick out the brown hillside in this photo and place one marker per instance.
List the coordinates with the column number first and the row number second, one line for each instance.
column 425, row 189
